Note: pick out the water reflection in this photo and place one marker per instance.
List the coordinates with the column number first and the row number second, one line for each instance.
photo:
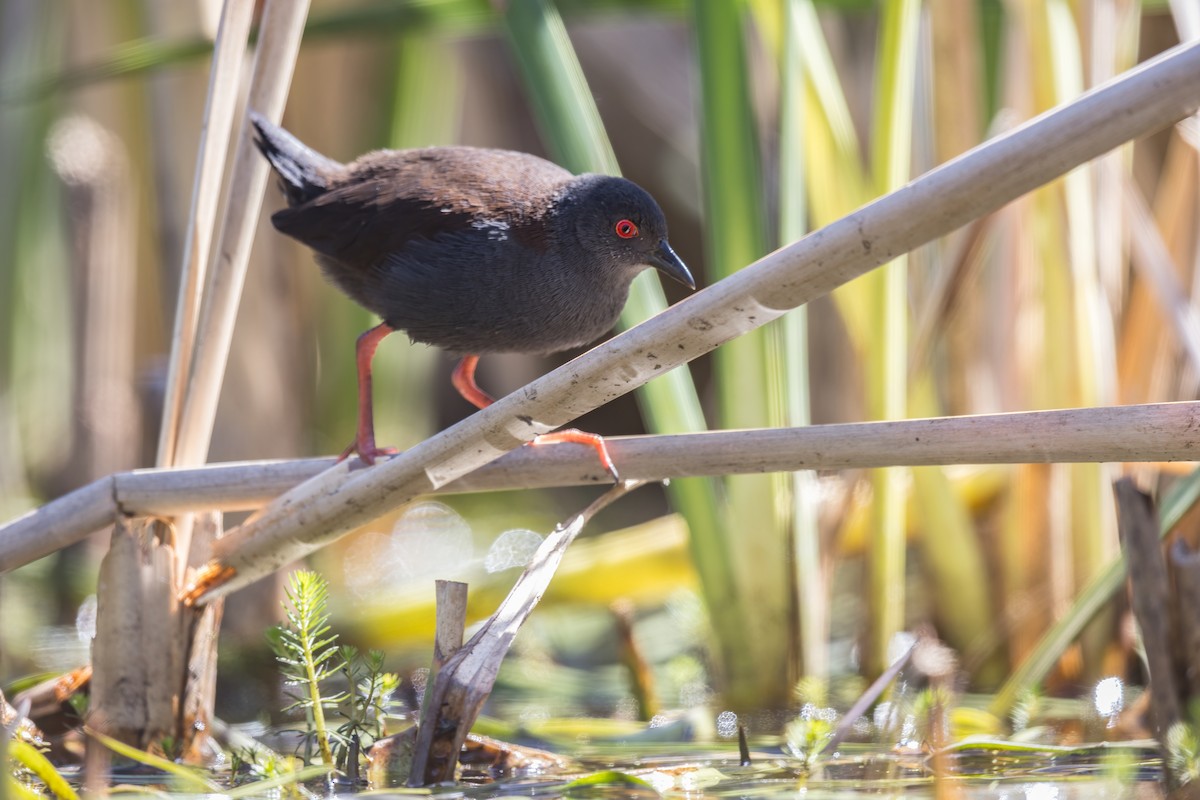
column 1108, row 698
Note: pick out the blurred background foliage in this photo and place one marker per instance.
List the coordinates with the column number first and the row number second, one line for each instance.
column 751, row 121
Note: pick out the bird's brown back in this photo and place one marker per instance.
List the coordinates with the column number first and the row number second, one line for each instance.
column 379, row 203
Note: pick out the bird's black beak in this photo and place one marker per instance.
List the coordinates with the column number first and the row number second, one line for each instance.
column 671, row 265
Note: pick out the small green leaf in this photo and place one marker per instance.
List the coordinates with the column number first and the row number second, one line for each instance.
column 609, row 777
column 31, row 759
column 260, row 788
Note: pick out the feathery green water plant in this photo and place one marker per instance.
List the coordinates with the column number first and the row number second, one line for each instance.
column 1183, row 753
column 22, row 762
column 810, row 583
column 370, row 689
column 305, row 648
column 255, row 768
column 749, row 378
column 1026, row 711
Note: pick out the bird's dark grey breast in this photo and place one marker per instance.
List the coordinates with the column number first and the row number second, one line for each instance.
column 460, row 248
column 486, row 292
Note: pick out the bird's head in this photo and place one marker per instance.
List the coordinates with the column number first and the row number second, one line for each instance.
column 618, row 222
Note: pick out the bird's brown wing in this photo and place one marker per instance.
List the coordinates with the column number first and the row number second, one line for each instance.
column 389, row 198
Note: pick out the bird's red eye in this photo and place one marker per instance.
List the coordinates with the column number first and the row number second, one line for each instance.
column 626, row 229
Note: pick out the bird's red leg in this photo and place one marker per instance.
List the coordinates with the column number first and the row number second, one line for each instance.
column 592, row 440
column 463, row 379
column 364, row 441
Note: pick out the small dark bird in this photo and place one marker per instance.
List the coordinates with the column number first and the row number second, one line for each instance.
column 476, row 251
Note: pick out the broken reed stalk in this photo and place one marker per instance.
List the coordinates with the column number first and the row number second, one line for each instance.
column 454, row 699
column 450, row 623
column 198, row 706
column 135, row 700
column 1185, row 574
column 451, row 620
column 1149, row 591
column 1145, row 99
column 145, row 700
column 1152, row 432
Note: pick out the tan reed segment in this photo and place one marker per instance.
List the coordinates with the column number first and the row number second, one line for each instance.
column 56, row 525
column 223, row 84
column 275, row 59
column 1153, row 432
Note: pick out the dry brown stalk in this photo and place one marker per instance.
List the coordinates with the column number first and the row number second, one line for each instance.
column 1149, row 592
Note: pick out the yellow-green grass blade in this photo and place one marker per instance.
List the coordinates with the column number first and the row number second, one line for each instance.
column 571, row 125
column 952, row 558
column 747, row 370
column 886, row 356
column 1093, row 524
column 835, row 179
column 821, row 177
column 811, row 589
column 31, row 759
column 190, row 779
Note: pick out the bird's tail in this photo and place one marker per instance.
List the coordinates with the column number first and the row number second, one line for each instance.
column 303, row 172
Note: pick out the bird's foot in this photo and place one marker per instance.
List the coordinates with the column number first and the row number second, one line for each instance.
column 592, row 440
column 367, row 451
